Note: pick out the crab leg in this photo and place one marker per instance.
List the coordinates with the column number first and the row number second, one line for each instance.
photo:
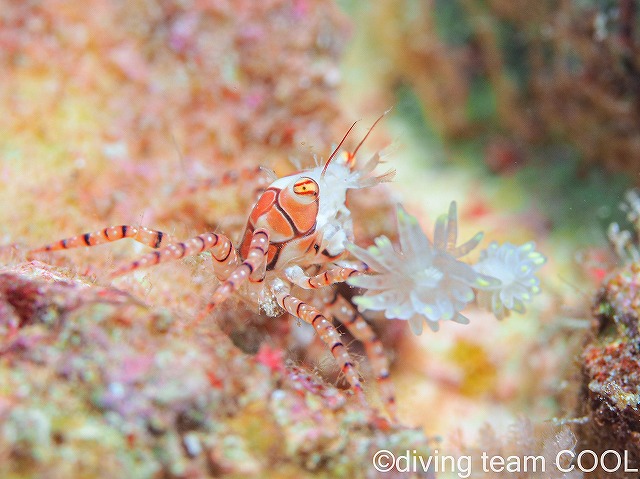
column 329, row 277
column 223, row 252
column 256, row 260
column 260, row 176
column 325, row 330
column 143, row 235
column 344, row 312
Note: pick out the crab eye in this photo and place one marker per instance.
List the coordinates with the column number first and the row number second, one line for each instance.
column 306, row 186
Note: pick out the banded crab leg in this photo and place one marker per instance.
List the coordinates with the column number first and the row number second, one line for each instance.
column 296, row 275
column 325, row 330
column 146, row 236
column 254, row 263
column 259, row 176
column 222, row 250
column 343, row 311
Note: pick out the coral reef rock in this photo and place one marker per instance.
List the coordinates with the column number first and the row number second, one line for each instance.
column 611, row 369
column 94, row 383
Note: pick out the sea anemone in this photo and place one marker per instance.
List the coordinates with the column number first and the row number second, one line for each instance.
column 515, row 267
column 421, row 281
column 426, row 282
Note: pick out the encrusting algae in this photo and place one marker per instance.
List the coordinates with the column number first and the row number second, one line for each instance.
column 94, row 384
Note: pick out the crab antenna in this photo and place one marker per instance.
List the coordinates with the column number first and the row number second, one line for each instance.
column 369, row 132
column 337, row 148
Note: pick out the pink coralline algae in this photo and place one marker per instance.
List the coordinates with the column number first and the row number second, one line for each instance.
column 93, row 372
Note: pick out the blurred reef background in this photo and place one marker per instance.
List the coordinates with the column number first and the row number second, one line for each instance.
column 527, row 114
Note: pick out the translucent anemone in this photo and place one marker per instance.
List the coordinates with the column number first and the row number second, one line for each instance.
column 421, row 281
column 515, row 267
